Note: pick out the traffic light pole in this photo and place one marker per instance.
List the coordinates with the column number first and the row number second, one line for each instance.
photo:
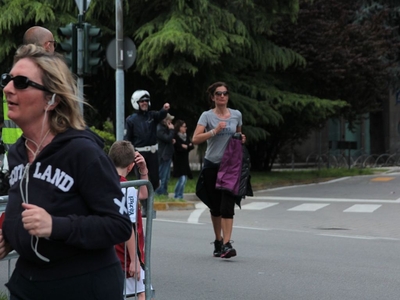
column 80, row 40
column 79, row 62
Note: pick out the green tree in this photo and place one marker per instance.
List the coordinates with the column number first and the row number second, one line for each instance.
column 351, row 49
column 182, row 47
column 352, row 53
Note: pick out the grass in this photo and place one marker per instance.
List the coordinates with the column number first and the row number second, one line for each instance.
column 3, row 296
column 264, row 180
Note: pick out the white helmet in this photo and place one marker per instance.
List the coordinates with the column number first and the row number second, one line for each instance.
column 139, row 95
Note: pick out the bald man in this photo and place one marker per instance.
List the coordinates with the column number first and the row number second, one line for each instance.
column 40, row 36
column 35, row 35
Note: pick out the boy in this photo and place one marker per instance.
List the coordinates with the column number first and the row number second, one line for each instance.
column 124, row 157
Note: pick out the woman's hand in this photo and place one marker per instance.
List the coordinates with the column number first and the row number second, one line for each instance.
column 243, row 138
column 220, row 126
column 36, row 220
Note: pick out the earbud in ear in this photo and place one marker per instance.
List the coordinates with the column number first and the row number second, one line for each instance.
column 53, row 100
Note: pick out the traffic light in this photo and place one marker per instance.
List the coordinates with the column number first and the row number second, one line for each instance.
column 69, row 45
column 92, row 49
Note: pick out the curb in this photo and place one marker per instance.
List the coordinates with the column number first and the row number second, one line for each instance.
column 174, row 205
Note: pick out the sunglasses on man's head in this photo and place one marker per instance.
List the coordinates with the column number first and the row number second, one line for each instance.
column 20, row 82
column 221, row 93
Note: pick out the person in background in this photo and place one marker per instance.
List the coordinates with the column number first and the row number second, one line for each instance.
column 124, row 158
column 217, row 126
column 181, row 170
column 39, row 36
column 141, row 131
column 65, row 208
column 166, row 141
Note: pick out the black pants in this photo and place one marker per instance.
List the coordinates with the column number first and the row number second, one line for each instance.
column 222, row 202
column 152, row 165
column 104, row 284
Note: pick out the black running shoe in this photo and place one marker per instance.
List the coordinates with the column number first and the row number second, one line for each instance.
column 217, row 248
column 228, row 251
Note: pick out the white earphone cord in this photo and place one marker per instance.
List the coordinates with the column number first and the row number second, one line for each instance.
column 25, row 196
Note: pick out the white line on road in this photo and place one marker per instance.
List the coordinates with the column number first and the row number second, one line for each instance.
column 308, row 207
column 195, row 215
column 362, row 208
column 258, row 205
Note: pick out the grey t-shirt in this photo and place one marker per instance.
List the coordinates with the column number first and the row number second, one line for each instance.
column 216, row 145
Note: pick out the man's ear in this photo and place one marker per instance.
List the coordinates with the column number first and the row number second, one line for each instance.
column 130, row 167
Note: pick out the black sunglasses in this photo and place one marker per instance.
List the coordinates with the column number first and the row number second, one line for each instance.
column 20, row 82
column 221, row 93
column 144, row 100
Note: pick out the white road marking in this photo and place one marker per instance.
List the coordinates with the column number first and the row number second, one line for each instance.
column 362, row 208
column 195, row 215
column 200, row 205
column 258, row 205
column 308, row 207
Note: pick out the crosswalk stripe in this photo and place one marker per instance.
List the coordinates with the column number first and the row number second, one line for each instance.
column 362, row 208
column 258, row 205
column 308, row 207
column 356, row 208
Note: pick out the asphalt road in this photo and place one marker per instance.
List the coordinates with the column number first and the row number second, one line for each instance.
column 337, row 240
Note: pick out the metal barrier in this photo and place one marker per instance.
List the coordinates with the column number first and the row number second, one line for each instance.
column 149, row 228
column 148, row 233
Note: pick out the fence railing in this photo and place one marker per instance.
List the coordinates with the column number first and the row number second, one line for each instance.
column 341, row 160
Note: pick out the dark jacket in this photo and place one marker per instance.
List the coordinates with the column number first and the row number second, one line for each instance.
column 245, row 188
column 242, row 174
column 181, row 157
column 165, row 143
column 141, row 127
column 229, row 171
column 234, row 170
column 77, row 184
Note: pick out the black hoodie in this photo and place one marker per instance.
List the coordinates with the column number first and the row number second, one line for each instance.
column 77, row 184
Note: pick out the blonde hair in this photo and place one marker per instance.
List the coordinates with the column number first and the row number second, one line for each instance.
column 59, row 80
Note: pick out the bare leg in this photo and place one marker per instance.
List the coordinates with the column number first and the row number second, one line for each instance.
column 227, row 225
column 216, row 221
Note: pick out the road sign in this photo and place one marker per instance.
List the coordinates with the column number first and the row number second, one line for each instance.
column 129, row 53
